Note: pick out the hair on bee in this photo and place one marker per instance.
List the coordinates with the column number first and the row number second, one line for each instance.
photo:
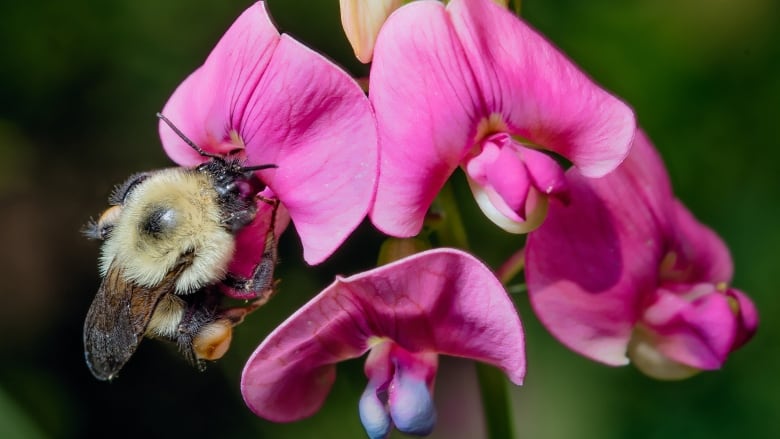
column 120, row 191
column 168, row 239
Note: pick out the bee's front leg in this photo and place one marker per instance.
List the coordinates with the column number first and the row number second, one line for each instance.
column 260, row 285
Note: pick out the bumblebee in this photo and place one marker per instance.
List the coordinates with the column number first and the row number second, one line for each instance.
column 168, row 238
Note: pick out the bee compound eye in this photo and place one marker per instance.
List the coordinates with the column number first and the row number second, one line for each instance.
column 213, row 340
column 159, row 221
column 245, row 189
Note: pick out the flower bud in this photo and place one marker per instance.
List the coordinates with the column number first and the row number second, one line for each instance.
column 362, row 20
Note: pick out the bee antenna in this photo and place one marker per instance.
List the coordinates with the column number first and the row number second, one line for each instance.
column 258, row 167
column 186, row 139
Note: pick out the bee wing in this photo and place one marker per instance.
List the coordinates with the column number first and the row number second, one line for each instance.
column 117, row 319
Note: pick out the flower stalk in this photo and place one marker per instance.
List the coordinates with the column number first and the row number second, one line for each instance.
column 492, row 382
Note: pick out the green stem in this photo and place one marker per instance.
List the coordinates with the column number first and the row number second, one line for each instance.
column 452, row 232
column 495, row 402
column 512, row 267
column 492, row 382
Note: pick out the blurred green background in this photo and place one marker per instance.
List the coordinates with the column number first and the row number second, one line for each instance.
column 80, row 82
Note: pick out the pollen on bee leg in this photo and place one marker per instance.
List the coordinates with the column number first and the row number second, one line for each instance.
column 213, row 341
column 105, row 223
column 110, row 215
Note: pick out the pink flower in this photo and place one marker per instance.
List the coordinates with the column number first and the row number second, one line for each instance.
column 404, row 314
column 275, row 101
column 624, row 271
column 472, row 86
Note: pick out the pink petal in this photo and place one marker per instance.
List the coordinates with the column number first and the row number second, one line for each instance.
column 699, row 334
column 546, row 174
column 427, row 110
column 701, row 254
column 437, row 301
column 493, row 206
column 439, row 75
column 312, row 120
column 592, row 259
column 477, row 166
column 250, row 243
column 540, row 93
column 499, row 172
column 511, row 182
column 291, row 107
column 508, row 176
column 747, row 317
column 210, row 102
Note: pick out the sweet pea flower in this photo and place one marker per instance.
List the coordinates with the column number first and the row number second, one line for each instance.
column 361, row 20
column 624, row 272
column 470, row 85
column 404, row 315
column 270, row 100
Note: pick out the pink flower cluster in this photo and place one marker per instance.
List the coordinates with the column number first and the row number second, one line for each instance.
column 617, row 269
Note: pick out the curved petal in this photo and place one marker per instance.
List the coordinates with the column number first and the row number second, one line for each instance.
column 578, row 282
column 541, row 94
column 698, row 334
column 498, row 172
column 747, row 321
column 645, row 356
column 411, row 404
column 593, row 258
column 314, row 122
column 509, row 177
column 493, row 206
column 437, row 301
column 210, row 102
column 546, row 174
column 442, row 77
column 702, row 254
column 374, row 416
column 427, row 112
column 251, row 241
column 289, row 106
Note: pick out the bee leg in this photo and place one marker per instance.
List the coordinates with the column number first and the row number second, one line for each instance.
column 236, row 315
column 199, row 319
column 205, row 332
column 260, row 285
column 238, row 220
